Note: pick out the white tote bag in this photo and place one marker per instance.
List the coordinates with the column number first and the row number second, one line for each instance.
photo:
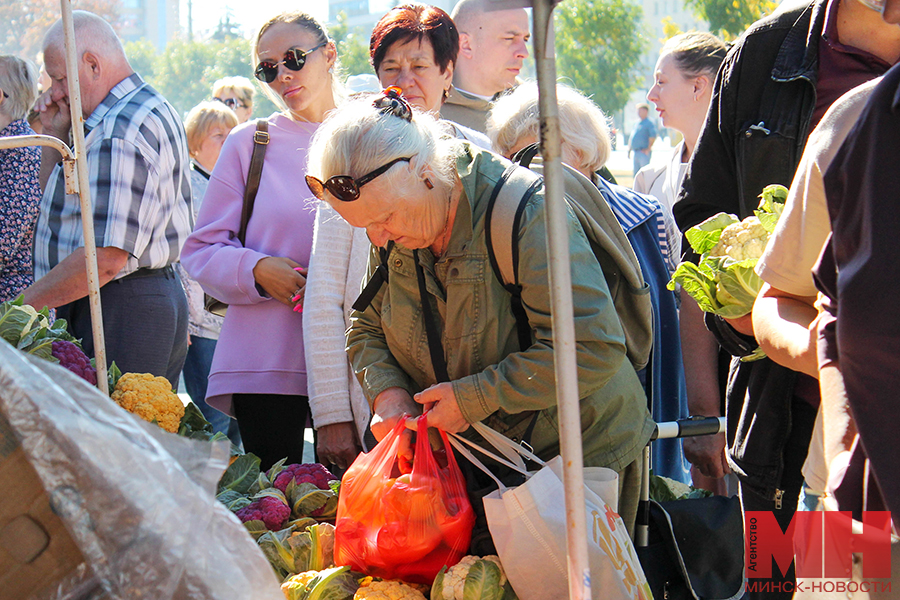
column 528, row 527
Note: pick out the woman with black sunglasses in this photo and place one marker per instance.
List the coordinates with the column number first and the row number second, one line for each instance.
column 259, row 372
column 439, row 335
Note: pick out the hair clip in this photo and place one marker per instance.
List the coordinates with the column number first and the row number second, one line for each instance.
column 391, row 102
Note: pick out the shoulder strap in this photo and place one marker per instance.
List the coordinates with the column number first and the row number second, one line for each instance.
column 378, row 278
column 260, row 141
column 502, row 222
column 435, row 347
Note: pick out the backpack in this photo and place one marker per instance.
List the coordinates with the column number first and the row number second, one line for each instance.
column 629, row 292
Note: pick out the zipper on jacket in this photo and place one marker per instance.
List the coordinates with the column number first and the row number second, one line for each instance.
column 778, row 496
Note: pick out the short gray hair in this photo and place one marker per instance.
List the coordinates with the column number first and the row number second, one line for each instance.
column 18, row 78
column 357, row 138
column 583, row 126
column 92, row 34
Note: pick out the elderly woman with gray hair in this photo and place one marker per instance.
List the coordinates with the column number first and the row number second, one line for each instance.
column 513, row 126
column 20, row 188
column 392, row 171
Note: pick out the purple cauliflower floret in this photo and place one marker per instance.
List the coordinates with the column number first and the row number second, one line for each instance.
column 313, row 473
column 74, row 359
column 268, row 509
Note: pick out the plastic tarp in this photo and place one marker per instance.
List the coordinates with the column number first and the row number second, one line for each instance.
column 139, row 502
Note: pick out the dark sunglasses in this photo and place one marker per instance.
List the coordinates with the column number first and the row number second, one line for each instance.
column 294, row 59
column 344, row 187
column 231, row 103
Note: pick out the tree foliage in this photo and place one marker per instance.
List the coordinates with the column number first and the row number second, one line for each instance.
column 729, row 18
column 185, row 72
column 23, row 23
column 352, row 46
column 599, row 47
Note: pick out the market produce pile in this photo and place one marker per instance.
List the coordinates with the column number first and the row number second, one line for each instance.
column 289, row 510
column 32, row 332
column 725, row 282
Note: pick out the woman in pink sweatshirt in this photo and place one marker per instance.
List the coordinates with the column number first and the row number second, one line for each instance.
column 258, row 372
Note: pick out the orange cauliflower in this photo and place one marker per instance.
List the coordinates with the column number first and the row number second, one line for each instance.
column 150, row 398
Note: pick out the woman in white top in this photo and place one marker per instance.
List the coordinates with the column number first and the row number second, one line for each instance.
column 682, row 90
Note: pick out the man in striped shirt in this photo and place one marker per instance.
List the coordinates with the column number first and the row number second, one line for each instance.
column 138, row 169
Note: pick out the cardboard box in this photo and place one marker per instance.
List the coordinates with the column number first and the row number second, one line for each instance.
column 36, row 550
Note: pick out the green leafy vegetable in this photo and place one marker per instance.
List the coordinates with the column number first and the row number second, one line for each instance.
column 241, row 474
column 337, row 583
column 725, row 282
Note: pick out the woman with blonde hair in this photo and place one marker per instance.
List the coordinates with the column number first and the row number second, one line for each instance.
column 20, row 188
column 514, row 126
column 237, row 94
column 259, row 371
column 681, row 92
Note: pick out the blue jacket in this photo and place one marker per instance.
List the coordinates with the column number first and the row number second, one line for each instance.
column 663, row 378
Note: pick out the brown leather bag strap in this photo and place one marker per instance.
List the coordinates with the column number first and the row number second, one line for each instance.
column 260, row 141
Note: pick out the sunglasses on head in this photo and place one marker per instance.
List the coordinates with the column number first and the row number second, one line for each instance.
column 231, row 103
column 294, row 59
column 344, row 187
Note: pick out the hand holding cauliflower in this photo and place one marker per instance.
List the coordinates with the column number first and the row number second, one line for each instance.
column 725, row 282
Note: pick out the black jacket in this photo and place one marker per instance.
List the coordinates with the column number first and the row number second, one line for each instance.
column 756, row 129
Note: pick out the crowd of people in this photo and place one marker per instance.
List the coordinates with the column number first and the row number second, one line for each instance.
column 348, row 234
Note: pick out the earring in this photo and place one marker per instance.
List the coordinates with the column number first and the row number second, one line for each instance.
column 428, row 184
column 331, row 69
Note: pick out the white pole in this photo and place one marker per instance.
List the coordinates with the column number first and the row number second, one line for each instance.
column 561, row 304
column 84, row 194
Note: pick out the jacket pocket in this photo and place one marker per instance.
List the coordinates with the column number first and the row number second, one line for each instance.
column 466, row 309
column 766, row 155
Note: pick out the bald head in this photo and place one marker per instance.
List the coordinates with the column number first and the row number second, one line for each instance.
column 492, row 46
column 101, row 59
column 92, row 33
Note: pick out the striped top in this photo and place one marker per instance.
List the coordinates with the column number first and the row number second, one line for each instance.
column 139, row 175
column 634, row 209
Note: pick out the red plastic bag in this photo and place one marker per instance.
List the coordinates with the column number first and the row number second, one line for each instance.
column 400, row 525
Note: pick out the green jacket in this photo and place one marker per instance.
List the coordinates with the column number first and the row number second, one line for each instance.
column 469, row 111
column 492, row 379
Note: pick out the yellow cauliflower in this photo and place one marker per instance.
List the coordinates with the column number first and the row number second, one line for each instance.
column 150, row 398
column 294, row 587
column 369, row 589
column 743, row 240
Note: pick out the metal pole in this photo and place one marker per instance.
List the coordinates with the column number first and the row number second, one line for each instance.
column 561, row 304
column 84, row 194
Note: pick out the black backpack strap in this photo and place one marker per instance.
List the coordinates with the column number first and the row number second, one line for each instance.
column 435, row 348
column 503, row 221
column 526, row 155
column 378, row 278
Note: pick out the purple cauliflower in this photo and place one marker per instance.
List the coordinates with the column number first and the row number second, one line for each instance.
column 74, row 359
column 313, row 473
column 268, row 509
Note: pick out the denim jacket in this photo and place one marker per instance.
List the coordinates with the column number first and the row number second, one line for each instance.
column 493, row 380
column 757, row 126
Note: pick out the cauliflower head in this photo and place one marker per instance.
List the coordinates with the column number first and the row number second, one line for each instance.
column 370, row 589
column 150, row 398
column 743, row 240
column 451, row 584
column 295, row 586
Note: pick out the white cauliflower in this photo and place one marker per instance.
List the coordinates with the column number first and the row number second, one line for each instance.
column 743, row 240
column 451, row 583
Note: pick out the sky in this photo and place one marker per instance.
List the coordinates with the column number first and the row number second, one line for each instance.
column 250, row 14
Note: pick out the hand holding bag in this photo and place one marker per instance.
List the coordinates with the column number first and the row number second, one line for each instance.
column 397, row 522
column 260, row 141
column 528, row 525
